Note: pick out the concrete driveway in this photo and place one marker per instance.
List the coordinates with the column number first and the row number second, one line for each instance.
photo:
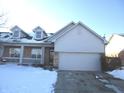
column 87, row 82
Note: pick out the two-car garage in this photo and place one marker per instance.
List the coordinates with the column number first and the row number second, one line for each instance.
column 79, row 61
column 78, row 48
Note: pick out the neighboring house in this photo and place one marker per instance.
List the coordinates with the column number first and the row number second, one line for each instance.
column 115, row 47
column 23, row 48
column 77, row 47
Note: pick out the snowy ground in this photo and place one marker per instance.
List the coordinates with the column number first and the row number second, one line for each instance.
column 109, row 84
column 117, row 73
column 24, row 79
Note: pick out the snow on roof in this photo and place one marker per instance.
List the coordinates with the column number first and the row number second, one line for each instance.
column 7, row 36
column 4, row 36
column 25, row 40
column 50, row 34
column 4, row 29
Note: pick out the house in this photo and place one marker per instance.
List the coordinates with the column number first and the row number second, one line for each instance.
column 23, row 48
column 74, row 47
column 115, row 47
column 77, row 47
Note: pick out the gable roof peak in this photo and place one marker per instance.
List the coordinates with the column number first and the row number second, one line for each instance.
column 61, row 31
column 72, row 22
column 37, row 28
column 91, row 31
column 15, row 27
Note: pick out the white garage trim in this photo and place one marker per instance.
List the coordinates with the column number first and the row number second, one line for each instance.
column 86, row 52
column 79, row 61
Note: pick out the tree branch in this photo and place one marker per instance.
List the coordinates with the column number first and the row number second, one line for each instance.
column 3, row 20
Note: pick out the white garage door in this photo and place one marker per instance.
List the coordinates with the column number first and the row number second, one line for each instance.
column 79, row 61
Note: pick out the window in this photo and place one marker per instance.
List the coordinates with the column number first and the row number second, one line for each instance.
column 38, row 34
column 36, row 53
column 14, row 52
column 16, row 34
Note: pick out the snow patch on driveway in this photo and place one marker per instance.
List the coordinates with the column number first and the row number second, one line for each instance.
column 108, row 84
column 114, row 88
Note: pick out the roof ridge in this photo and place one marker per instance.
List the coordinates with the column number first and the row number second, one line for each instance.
column 90, row 30
column 61, row 30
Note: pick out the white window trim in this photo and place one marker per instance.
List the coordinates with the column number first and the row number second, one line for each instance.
column 18, row 36
column 36, row 53
column 40, row 35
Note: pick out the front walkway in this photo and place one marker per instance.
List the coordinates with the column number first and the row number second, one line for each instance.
column 84, row 82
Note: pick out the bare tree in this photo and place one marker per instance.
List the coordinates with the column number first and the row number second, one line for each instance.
column 3, row 20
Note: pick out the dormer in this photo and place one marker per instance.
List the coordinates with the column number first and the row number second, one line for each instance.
column 39, row 33
column 18, row 33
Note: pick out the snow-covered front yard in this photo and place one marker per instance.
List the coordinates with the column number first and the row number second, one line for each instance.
column 26, row 79
column 117, row 73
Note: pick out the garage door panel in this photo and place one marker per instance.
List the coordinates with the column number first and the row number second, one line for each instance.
column 79, row 61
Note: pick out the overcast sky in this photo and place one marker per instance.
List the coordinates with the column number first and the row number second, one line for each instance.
column 102, row 16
